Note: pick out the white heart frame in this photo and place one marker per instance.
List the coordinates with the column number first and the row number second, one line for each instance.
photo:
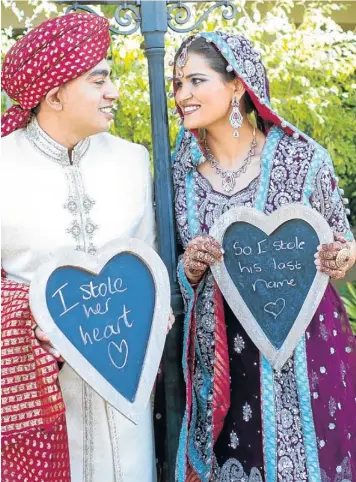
column 72, row 356
column 269, row 223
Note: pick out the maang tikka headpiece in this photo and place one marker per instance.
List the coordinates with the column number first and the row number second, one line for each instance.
column 183, row 56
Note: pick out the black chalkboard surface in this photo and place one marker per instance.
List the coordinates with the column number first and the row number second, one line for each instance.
column 107, row 315
column 272, row 273
column 100, row 315
column 268, row 275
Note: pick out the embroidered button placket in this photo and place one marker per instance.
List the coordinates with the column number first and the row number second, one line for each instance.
column 79, row 203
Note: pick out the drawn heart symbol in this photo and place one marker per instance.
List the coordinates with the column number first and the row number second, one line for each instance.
column 108, row 317
column 275, row 312
column 268, row 275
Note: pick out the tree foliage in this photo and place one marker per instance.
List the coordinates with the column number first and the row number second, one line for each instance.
column 311, row 69
column 348, row 296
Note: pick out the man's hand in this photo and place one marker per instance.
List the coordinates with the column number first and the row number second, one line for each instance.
column 43, row 339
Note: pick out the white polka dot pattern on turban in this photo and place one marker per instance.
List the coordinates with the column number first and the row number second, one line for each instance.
column 53, row 53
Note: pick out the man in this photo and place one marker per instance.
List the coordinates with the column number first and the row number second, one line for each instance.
column 66, row 183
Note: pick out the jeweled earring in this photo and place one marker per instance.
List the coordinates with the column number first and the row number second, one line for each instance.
column 236, row 117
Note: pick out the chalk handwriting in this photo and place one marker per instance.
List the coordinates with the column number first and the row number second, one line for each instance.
column 278, row 245
column 250, row 269
column 95, row 300
column 246, row 252
column 123, row 348
column 102, row 289
column 108, row 331
column 290, row 265
column 273, row 284
column 98, row 310
column 61, row 297
column 275, row 308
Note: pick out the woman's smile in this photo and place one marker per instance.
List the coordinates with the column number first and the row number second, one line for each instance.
column 190, row 109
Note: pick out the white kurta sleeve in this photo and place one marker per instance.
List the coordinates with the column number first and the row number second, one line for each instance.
column 147, row 228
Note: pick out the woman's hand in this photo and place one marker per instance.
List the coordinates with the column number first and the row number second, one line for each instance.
column 335, row 259
column 201, row 252
column 43, row 339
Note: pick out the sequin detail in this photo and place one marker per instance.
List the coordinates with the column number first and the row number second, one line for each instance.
column 79, row 203
column 239, row 344
column 246, row 412
column 234, row 440
column 291, row 461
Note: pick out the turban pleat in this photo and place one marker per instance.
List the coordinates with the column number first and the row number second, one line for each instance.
column 53, row 53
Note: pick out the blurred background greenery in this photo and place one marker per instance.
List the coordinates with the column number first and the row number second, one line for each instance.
column 348, row 295
column 308, row 48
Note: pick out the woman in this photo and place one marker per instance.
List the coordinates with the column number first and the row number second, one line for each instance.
column 242, row 420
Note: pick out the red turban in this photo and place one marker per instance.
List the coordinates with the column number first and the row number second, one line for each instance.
column 53, row 53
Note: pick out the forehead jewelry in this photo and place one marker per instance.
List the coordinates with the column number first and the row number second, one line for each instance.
column 183, row 57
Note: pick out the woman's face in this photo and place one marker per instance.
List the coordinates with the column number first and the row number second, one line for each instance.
column 203, row 96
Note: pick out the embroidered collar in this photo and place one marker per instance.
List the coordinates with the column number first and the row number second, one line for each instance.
column 52, row 149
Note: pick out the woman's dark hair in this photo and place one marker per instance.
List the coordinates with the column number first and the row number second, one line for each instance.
column 218, row 63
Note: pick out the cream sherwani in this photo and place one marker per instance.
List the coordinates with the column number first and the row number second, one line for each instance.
column 49, row 203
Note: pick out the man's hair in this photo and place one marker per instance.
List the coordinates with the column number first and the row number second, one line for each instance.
column 35, row 110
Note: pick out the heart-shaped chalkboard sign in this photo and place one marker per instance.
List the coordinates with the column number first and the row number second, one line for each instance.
column 268, row 275
column 107, row 315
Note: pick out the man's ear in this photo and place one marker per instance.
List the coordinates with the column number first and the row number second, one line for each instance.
column 53, row 99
